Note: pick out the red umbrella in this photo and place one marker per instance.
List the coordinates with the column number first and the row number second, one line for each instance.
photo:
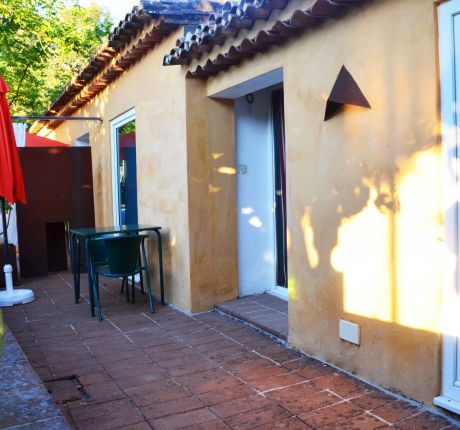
column 11, row 189
column 11, row 181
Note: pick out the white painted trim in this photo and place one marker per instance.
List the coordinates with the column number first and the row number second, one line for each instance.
column 114, row 125
column 446, row 403
column 258, row 83
column 450, row 398
column 280, row 292
column 271, row 139
column 20, row 129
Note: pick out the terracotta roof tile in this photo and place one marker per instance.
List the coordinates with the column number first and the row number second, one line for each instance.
column 236, row 16
column 160, row 18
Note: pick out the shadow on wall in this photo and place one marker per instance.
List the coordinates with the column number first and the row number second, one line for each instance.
column 372, row 235
column 380, row 195
column 383, row 232
column 366, row 232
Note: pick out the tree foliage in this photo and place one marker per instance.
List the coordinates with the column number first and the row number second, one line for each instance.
column 43, row 43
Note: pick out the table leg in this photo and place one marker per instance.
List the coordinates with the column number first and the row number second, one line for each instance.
column 73, row 265
column 160, row 262
column 77, row 272
column 90, row 277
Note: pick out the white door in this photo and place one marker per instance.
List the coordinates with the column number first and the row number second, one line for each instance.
column 255, row 194
column 449, row 53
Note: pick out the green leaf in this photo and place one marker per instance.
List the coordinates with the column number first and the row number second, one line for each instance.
column 43, row 44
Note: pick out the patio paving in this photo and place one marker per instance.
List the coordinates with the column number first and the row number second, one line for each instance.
column 264, row 311
column 170, row 371
column 24, row 401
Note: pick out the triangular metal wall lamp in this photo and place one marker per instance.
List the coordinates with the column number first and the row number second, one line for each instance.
column 344, row 92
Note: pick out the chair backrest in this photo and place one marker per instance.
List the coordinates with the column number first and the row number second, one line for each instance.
column 98, row 251
column 123, row 253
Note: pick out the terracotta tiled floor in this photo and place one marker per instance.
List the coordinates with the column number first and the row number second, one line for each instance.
column 168, row 371
column 263, row 310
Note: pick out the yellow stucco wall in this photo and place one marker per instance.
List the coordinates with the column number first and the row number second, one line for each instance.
column 158, row 95
column 364, row 193
column 363, row 189
column 211, row 197
column 179, row 186
column 365, row 212
column 366, row 220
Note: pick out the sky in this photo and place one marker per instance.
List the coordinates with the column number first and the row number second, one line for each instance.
column 117, row 8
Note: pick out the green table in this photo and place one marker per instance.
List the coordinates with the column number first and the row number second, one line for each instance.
column 79, row 235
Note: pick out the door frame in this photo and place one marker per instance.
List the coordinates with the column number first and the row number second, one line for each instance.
column 116, row 123
column 450, row 394
column 277, row 290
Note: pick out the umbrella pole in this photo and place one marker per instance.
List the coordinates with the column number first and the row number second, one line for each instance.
column 11, row 297
column 7, row 269
column 5, row 232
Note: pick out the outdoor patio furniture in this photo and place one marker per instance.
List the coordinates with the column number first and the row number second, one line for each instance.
column 82, row 236
column 99, row 256
column 123, row 259
column 143, row 268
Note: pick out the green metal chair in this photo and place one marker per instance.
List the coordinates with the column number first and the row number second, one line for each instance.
column 125, row 254
column 99, row 257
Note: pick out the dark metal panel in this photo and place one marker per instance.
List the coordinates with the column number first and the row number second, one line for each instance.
column 56, row 246
column 59, row 186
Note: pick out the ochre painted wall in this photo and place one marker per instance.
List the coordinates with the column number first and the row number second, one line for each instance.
column 158, row 95
column 179, row 187
column 211, row 198
column 364, row 192
column 365, row 211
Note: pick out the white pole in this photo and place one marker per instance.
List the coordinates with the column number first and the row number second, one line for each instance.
column 20, row 129
column 8, row 269
column 11, row 297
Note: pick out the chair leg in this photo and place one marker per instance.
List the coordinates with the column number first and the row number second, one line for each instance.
column 97, row 285
column 140, row 274
column 74, row 267
column 125, row 279
column 89, row 270
column 149, row 291
column 96, row 296
column 91, row 299
column 77, row 272
column 122, row 285
column 132, row 286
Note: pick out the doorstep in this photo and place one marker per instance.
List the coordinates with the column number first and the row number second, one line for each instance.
column 263, row 311
column 24, row 401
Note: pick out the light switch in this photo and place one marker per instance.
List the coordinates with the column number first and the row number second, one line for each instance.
column 350, row 332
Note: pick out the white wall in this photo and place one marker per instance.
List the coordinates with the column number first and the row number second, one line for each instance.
column 255, row 194
column 20, row 129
